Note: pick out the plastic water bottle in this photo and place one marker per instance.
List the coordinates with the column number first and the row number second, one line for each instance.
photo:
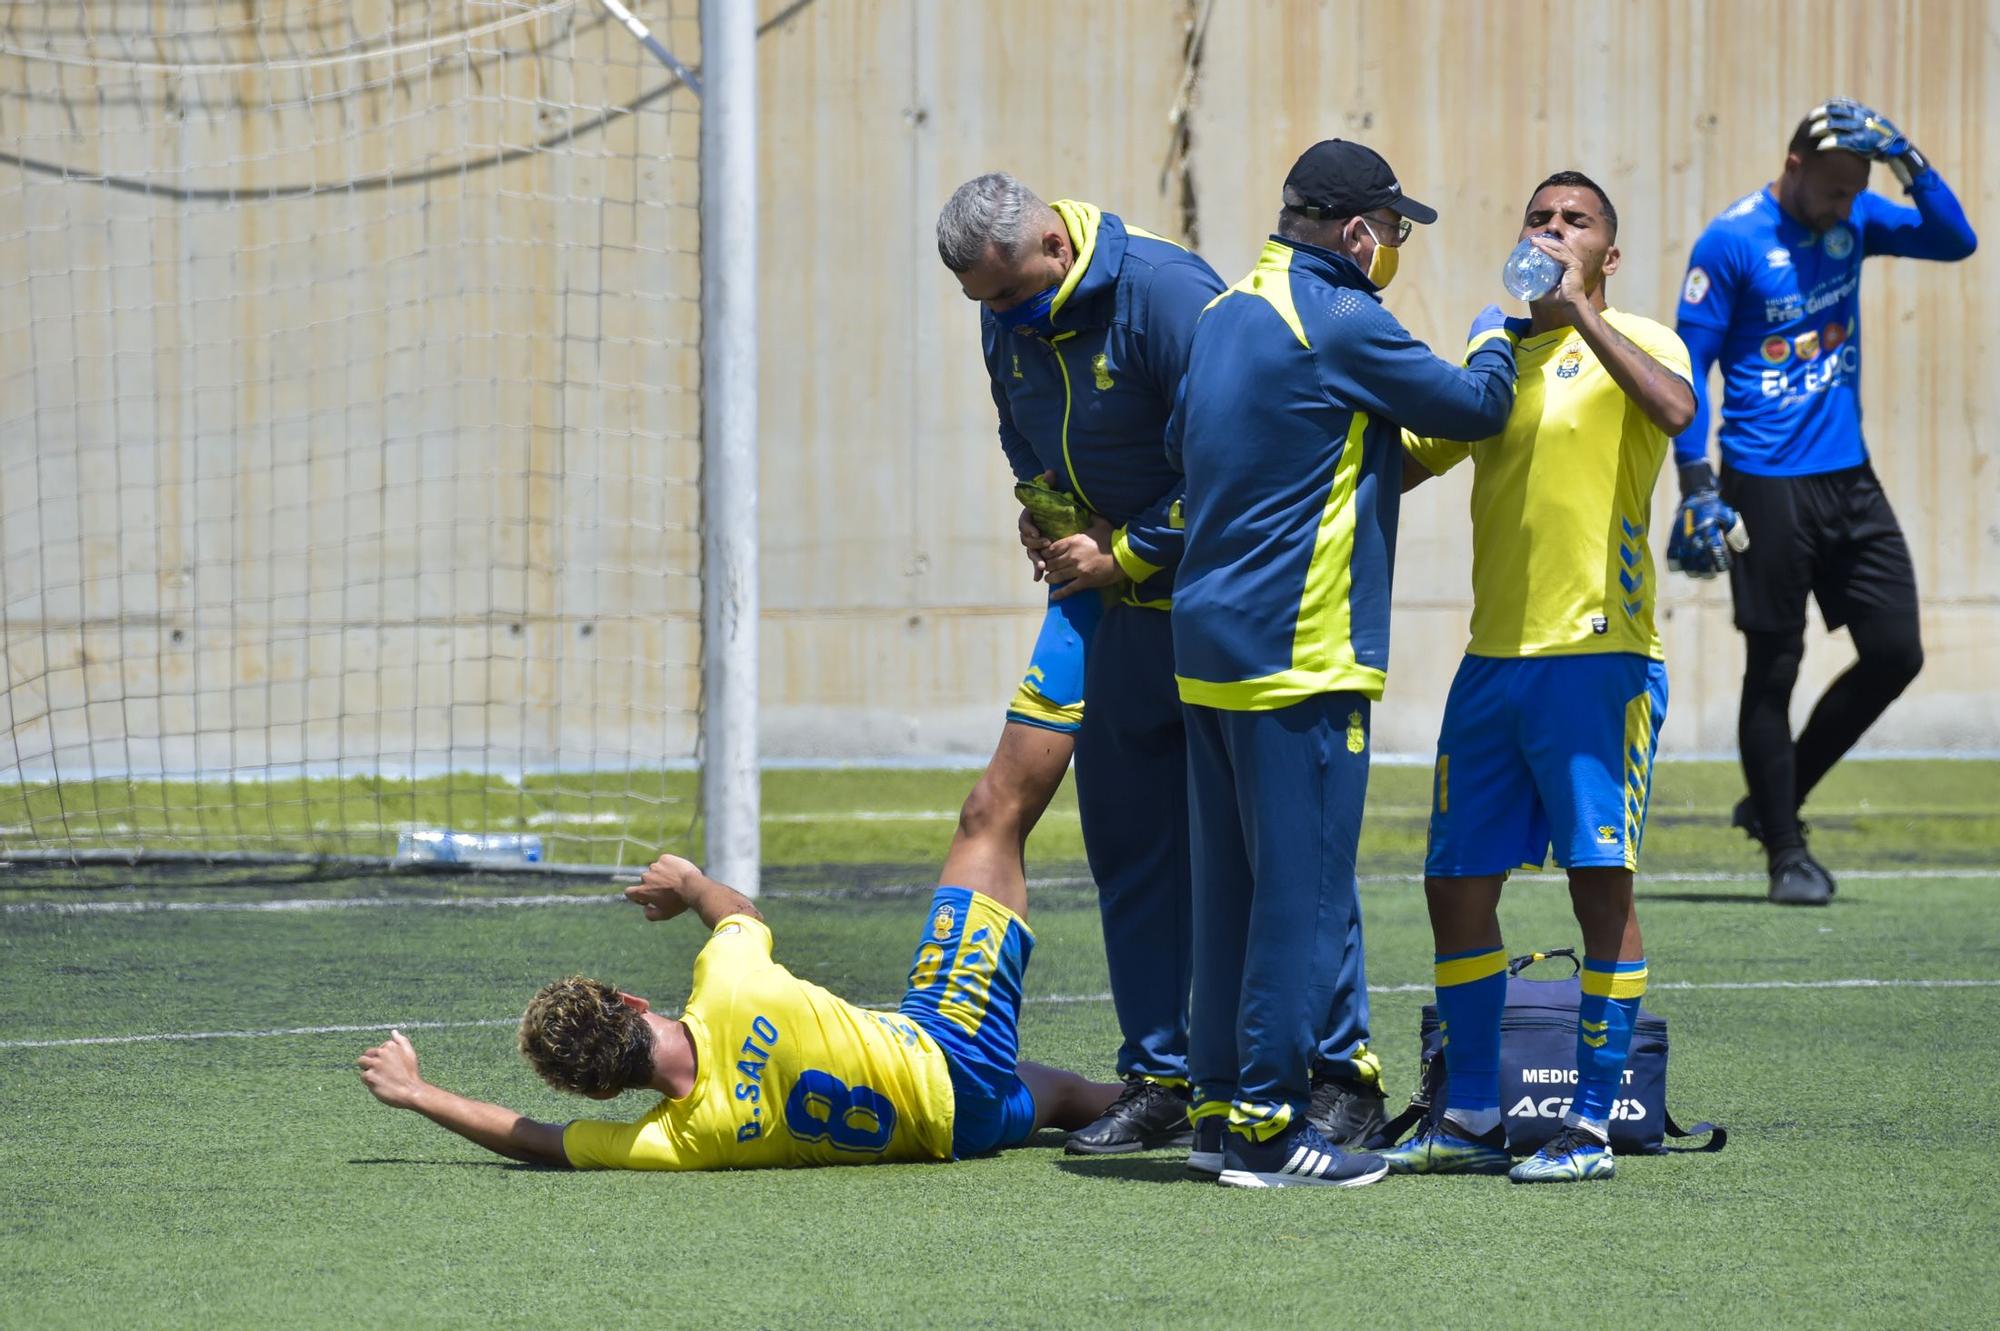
column 441, row 845
column 1530, row 274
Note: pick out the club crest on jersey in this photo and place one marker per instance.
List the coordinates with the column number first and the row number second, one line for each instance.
column 1777, row 350
column 1807, row 345
column 1695, row 291
column 1571, row 362
column 1100, row 370
column 1838, row 243
column 1017, row 365
column 942, row 922
column 1779, row 257
column 1832, row 336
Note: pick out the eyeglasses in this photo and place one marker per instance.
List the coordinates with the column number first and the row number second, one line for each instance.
column 1400, row 229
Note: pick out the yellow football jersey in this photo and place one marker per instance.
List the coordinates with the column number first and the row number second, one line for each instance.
column 1561, row 561
column 785, row 1074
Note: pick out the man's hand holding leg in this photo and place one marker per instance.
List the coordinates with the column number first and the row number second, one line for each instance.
column 1082, row 562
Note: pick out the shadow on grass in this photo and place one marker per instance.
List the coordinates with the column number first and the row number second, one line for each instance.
column 1129, row 1169
column 1707, row 898
column 517, row 1165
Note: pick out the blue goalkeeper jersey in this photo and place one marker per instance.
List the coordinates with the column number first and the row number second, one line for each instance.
column 1780, row 306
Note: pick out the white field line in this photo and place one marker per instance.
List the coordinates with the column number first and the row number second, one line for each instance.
column 1052, row 999
column 86, row 826
column 302, row 904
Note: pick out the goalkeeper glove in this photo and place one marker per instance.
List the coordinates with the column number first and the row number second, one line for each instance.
column 1706, row 530
column 1847, row 126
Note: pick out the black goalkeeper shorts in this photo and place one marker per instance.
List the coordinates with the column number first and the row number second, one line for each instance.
column 1833, row 535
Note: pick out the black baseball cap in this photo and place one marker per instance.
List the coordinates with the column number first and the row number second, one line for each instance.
column 1335, row 178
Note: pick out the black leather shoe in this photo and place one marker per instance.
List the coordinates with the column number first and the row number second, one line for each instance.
column 1797, row 879
column 1146, row 1116
column 1347, row 1112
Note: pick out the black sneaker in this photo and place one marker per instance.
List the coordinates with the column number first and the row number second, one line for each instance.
column 1346, row 1110
column 1299, row 1156
column 1797, row 879
column 1205, row 1156
column 1146, row 1116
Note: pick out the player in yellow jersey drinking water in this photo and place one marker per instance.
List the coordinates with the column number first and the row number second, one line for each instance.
column 1552, row 722
column 764, row 1069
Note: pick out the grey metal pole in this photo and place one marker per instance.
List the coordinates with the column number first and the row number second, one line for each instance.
column 731, row 800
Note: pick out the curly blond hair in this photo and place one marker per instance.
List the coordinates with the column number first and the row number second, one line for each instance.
column 582, row 1038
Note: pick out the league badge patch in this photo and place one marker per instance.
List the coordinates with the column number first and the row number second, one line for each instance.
column 1696, row 289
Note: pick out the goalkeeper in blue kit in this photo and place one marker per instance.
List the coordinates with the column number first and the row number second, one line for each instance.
column 1773, row 292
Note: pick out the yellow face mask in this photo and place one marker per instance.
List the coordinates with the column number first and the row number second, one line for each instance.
column 1382, row 266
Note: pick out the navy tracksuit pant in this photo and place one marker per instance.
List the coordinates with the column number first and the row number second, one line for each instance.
column 1280, row 981
column 1132, row 793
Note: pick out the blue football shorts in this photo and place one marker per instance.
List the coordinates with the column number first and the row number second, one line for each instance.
column 1051, row 693
column 1541, row 752
column 965, row 991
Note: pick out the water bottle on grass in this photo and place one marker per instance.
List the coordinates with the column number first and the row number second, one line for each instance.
column 441, row 845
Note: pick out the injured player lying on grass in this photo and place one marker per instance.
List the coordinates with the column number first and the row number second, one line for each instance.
column 764, row 1069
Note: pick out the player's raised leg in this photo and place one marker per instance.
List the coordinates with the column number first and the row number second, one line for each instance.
column 988, row 848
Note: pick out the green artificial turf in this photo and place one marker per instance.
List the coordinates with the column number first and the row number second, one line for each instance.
column 249, row 1180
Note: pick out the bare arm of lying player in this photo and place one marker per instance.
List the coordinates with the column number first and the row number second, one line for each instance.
column 390, row 1073
column 1664, row 396
column 672, row 885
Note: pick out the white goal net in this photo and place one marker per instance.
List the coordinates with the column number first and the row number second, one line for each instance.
column 349, row 428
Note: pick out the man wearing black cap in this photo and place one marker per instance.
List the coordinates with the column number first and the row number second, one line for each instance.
column 1288, row 430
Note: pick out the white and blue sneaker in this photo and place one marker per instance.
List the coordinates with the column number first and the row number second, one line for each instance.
column 1571, row 1156
column 1205, row 1156
column 1297, row 1157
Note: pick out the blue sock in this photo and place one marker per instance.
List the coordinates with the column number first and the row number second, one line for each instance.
column 1471, row 990
column 1611, row 993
